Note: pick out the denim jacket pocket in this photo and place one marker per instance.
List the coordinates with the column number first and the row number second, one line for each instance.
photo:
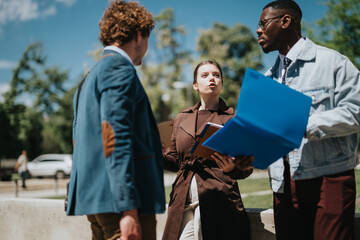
column 324, row 152
column 321, row 99
column 342, row 147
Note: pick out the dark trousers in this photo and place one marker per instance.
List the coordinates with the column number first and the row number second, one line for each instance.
column 23, row 178
column 105, row 226
column 318, row 208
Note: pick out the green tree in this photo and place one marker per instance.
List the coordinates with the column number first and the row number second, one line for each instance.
column 30, row 128
column 339, row 28
column 35, row 93
column 235, row 48
column 32, row 77
column 9, row 142
column 162, row 70
column 59, row 126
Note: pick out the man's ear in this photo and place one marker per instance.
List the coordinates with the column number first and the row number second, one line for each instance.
column 138, row 37
column 286, row 21
column 195, row 86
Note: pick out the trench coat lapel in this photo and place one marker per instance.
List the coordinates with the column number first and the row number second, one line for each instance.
column 188, row 125
column 214, row 118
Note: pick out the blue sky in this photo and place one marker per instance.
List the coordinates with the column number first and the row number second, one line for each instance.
column 69, row 28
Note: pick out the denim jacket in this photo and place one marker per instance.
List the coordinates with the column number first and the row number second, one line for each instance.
column 330, row 146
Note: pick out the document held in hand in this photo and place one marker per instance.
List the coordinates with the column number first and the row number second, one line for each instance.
column 165, row 131
column 202, row 151
column 270, row 121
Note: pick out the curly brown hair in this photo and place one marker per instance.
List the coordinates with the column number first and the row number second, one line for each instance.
column 122, row 20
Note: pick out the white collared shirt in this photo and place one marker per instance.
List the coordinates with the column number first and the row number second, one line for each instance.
column 119, row 50
column 292, row 55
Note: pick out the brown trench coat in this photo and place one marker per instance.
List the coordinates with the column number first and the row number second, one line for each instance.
column 221, row 209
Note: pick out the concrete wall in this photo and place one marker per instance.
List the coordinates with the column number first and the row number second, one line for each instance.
column 42, row 219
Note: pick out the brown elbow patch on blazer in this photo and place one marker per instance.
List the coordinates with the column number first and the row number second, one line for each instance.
column 108, row 137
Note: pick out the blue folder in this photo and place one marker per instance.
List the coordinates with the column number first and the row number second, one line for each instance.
column 270, row 121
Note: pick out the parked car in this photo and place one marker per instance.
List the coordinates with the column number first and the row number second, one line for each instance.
column 51, row 165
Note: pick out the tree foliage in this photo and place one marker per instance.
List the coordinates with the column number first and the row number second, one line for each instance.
column 35, row 94
column 163, row 70
column 9, row 141
column 31, row 76
column 60, row 124
column 235, row 48
column 339, row 29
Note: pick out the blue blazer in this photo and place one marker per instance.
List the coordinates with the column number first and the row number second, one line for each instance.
column 117, row 158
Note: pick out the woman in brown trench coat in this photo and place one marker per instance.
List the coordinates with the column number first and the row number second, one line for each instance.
column 205, row 201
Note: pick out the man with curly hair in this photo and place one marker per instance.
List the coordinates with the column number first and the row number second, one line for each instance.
column 117, row 171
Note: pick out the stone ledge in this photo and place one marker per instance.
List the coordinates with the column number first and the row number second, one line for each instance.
column 44, row 219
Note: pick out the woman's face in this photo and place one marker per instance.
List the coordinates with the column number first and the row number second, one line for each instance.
column 208, row 81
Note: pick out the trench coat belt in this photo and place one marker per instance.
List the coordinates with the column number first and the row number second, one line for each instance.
column 194, row 166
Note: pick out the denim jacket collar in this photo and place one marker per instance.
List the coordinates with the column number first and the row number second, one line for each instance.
column 307, row 54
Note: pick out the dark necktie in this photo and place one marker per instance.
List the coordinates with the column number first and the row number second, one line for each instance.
column 287, row 62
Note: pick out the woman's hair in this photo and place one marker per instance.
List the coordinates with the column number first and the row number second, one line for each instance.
column 122, row 20
column 210, row 61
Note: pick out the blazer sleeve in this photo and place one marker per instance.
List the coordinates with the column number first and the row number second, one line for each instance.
column 117, row 103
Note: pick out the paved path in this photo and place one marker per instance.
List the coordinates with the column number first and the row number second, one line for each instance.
column 42, row 188
column 36, row 188
column 35, row 193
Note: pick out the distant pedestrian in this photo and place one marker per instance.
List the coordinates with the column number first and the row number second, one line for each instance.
column 21, row 167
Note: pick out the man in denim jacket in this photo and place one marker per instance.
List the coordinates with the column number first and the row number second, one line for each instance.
column 314, row 186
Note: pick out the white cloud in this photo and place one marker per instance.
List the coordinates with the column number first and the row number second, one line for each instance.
column 68, row 3
column 50, row 11
column 23, row 10
column 26, row 10
column 4, row 64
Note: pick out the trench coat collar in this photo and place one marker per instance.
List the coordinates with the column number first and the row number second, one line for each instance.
column 188, row 125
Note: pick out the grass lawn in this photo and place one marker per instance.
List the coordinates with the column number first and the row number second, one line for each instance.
column 255, row 185
column 248, row 186
column 265, row 201
column 57, row 197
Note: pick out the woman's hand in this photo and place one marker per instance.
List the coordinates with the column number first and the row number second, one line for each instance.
column 225, row 163
column 244, row 162
column 163, row 148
